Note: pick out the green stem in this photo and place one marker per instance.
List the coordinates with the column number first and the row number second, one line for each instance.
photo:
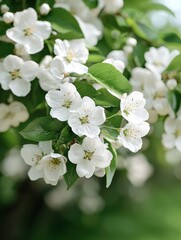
column 116, row 114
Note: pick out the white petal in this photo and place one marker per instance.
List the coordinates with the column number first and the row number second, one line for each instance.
column 178, row 143
column 31, row 153
column 60, row 113
column 33, row 44
column 20, row 87
column 46, row 147
column 43, row 29
column 76, row 153
column 35, row 173
column 53, row 98
column 85, row 168
column 12, row 62
column 28, row 71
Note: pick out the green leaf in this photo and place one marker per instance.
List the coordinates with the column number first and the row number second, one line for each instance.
column 40, row 2
column 106, row 99
column 66, row 135
column 43, row 129
column 64, row 23
column 109, row 77
column 110, row 171
column 156, row 7
column 141, row 30
column 3, row 28
column 174, row 99
column 71, row 175
column 175, row 64
column 6, row 49
column 91, row 3
column 85, row 89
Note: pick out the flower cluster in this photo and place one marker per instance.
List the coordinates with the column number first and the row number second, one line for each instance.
column 85, row 98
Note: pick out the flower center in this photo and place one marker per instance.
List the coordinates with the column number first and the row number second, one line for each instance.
column 28, row 31
column 84, row 120
column 55, row 161
column 133, row 133
column 37, row 158
column 88, row 155
column 15, row 74
column 67, row 104
column 69, row 56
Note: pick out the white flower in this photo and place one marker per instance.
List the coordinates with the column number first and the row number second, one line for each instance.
column 12, row 115
column 130, row 136
column 63, row 101
column 157, row 59
column 139, row 170
column 44, row 163
column 87, row 119
column 54, row 166
column 118, row 64
column 13, row 165
column 91, row 154
column 171, row 84
column 28, row 31
column 16, row 75
column 73, row 54
column 172, row 137
column 91, row 33
column 118, row 55
column 80, row 9
column 8, row 17
column 144, row 80
column 132, row 107
column 50, row 73
column 113, row 6
column 32, row 154
column 44, row 9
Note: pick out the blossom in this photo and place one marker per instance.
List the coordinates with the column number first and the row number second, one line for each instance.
column 90, row 154
column 63, row 101
column 86, row 119
column 16, row 75
column 172, row 136
column 91, row 33
column 118, row 64
column 73, row 55
column 139, row 170
column 132, row 107
column 131, row 135
column 32, row 154
column 50, row 73
column 118, row 55
column 12, row 115
column 157, row 59
column 145, row 80
column 54, row 166
column 44, row 163
column 28, row 31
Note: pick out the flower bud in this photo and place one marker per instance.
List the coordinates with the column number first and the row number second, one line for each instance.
column 171, row 84
column 4, row 8
column 44, row 9
column 131, row 42
column 8, row 17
